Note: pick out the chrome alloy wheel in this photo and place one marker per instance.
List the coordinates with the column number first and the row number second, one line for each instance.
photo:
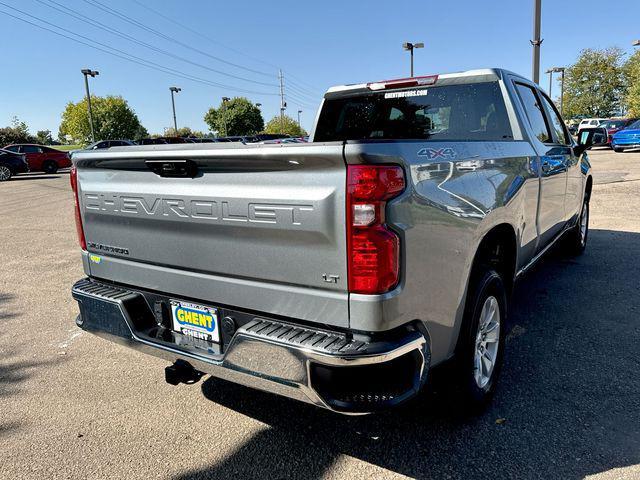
column 487, row 342
column 584, row 224
column 5, row 173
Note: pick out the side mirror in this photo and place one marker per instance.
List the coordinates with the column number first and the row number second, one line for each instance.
column 590, row 137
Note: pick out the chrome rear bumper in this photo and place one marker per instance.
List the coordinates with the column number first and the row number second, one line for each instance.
column 335, row 370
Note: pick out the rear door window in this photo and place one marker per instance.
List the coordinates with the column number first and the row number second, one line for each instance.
column 441, row 113
column 30, row 149
column 535, row 113
column 556, row 121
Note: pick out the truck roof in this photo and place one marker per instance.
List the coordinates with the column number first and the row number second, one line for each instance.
column 485, row 74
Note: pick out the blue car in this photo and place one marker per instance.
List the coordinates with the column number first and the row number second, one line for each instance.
column 627, row 138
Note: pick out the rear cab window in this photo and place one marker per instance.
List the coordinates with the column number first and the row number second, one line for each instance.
column 463, row 112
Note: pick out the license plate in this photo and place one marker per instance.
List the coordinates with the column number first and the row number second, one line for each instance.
column 197, row 321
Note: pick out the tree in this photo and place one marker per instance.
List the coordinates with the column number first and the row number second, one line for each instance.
column 595, row 84
column 632, row 76
column 18, row 132
column 43, row 137
column 113, row 118
column 288, row 127
column 183, row 132
column 237, row 116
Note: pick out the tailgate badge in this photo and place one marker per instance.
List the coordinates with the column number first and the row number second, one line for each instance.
column 330, row 278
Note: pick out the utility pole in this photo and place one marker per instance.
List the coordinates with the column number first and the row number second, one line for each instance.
column 410, row 47
column 87, row 72
column 174, row 90
column 299, row 112
column 283, row 104
column 224, row 114
column 537, row 41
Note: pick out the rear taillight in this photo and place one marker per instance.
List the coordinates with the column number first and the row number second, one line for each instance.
column 73, row 179
column 373, row 249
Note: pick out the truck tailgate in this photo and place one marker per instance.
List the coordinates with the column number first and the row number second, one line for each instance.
column 266, row 215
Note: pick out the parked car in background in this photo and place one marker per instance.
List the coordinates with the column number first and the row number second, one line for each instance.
column 41, row 158
column 165, row 140
column 11, row 164
column 627, row 138
column 615, row 125
column 239, row 138
column 572, row 126
column 108, row 144
column 591, row 123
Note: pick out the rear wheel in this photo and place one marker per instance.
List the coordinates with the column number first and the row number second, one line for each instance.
column 50, row 166
column 576, row 239
column 481, row 350
column 5, row 173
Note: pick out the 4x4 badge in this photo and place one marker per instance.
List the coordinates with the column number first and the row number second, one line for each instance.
column 434, row 153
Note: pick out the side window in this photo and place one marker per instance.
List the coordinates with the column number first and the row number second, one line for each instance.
column 534, row 113
column 30, row 149
column 556, row 121
column 13, row 148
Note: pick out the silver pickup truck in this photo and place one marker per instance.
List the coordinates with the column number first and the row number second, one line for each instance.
column 337, row 272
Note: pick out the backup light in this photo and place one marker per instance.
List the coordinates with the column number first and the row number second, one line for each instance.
column 373, row 249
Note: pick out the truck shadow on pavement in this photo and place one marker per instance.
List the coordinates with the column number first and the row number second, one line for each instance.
column 568, row 404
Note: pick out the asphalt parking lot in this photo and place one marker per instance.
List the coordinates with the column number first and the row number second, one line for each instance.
column 75, row 406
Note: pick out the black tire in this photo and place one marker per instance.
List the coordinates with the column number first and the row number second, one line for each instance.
column 618, row 150
column 576, row 239
column 50, row 166
column 476, row 395
column 5, row 173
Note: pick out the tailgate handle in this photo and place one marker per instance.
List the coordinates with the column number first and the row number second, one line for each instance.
column 173, row 168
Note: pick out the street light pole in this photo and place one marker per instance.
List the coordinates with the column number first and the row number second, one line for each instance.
column 299, row 112
column 537, row 41
column 561, row 70
column 636, row 43
column 410, row 47
column 550, row 72
column 224, row 114
column 87, row 72
column 173, row 91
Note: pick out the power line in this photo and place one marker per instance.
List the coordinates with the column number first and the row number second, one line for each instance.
column 126, row 36
column 138, row 24
column 302, row 84
column 292, row 79
column 206, row 37
column 303, row 94
column 121, row 54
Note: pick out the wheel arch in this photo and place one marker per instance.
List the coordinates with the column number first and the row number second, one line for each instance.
column 498, row 249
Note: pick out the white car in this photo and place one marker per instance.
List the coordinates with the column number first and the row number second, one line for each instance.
column 591, row 123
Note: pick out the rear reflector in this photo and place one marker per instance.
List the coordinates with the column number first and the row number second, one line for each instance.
column 373, row 249
column 403, row 82
column 73, row 179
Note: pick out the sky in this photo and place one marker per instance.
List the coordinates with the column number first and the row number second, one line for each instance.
column 234, row 46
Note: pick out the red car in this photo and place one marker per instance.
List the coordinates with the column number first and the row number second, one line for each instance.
column 41, row 158
column 614, row 126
